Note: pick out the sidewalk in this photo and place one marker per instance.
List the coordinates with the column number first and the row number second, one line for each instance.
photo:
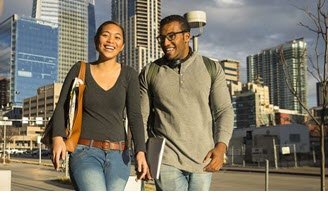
column 46, row 162
column 236, row 177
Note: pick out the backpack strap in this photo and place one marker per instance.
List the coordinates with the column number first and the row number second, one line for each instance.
column 150, row 77
column 152, row 72
column 211, row 68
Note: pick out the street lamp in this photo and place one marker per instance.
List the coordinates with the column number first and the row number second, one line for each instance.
column 196, row 20
column 4, row 140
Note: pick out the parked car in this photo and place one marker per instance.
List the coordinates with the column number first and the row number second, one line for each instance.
column 44, row 152
column 15, row 151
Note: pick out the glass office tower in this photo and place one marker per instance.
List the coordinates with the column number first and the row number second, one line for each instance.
column 5, row 60
column 73, row 21
column 140, row 20
column 30, row 57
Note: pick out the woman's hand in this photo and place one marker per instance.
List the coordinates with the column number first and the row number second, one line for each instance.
column 142, row 169
column 58, row 151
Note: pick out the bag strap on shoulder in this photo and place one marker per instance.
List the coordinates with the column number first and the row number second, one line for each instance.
column 82, row 71
column 211, row 68
column 152, row 72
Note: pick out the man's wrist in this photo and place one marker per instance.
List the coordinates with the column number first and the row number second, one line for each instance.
column 220, row 146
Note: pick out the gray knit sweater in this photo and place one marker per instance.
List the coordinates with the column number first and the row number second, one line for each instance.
column 183, row 114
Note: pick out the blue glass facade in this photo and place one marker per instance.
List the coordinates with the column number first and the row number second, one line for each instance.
column 36, row 57
column 32, row 58
column 5, row 48
column 5, row 60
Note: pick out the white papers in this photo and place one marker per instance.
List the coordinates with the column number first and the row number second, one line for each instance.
column 72, row 103
column 155, row 150
column 133, row 185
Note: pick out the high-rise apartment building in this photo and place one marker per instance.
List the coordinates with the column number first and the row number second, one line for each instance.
column 140, row 20
column 267, row 65
column 252, row 106
column 231, row 70
column 73, row 20
column 28, row 58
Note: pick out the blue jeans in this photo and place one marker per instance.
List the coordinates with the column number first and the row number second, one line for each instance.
column 173, row 179
column 93, row 169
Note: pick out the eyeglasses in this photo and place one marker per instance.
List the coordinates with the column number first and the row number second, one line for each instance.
column 170, row 36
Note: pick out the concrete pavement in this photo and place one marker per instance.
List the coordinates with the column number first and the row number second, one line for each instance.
column 302, row 171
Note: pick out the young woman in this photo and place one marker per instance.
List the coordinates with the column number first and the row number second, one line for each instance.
column 101, row 160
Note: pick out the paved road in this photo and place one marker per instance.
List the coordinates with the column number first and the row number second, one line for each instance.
column 33, row 177
column 250, row 181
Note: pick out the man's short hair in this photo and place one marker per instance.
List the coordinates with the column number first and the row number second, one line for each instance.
column 175, row 18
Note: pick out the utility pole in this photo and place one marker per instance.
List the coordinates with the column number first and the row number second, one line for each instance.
column 266, row 175
column 295, row 155
column 4, row 145
column 275, row 153
column 314, row 159
column 232, row 161
column 4, row 123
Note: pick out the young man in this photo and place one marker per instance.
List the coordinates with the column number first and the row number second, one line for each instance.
column 184, row 102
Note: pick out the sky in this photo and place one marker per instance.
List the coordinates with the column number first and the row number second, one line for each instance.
column 234, row 30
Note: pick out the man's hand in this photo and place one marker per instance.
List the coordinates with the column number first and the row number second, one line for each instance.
column 217, row 157
column 142, row 169
column 58, row 151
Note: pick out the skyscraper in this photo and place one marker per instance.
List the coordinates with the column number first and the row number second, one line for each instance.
column 92, row 53
column 267, row 65
column 140, row 20
column 28, row 58
column 73, row 21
